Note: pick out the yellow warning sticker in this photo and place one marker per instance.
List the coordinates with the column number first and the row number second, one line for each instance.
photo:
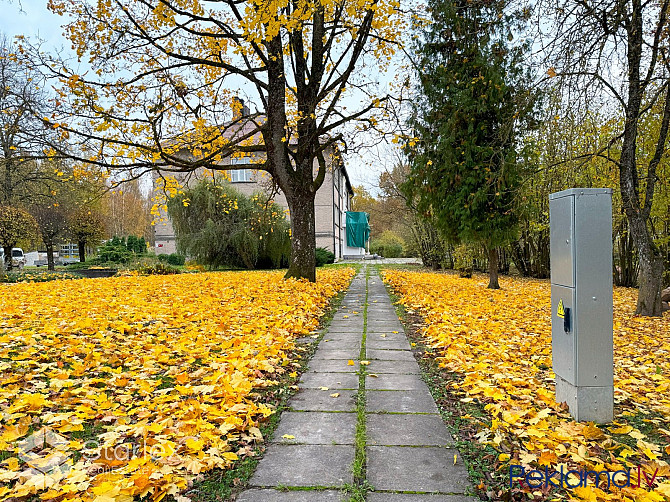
column 560, row 311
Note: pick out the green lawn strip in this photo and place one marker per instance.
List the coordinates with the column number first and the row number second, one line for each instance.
column 646, row 421
column 224, row 485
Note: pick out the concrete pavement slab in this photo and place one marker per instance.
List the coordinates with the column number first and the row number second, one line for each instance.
column 383, row 327
column 417, row 497
column 265, row 495
column 315, row 427
column 390, row 381
column 321, row 400
column 348, row 343
column 345, row 328
column 331, row 380
column 352, row 337
column 390, row 355
column 304, row 465
column 406, row 468
column 397, row 367
column 326, row 353
column 331, row 365
column 400, row 401
column 385, row 343
column 407, row 430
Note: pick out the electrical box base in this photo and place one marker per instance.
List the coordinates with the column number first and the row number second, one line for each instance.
column 586, row 404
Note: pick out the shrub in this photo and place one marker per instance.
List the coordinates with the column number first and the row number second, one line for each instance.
column 114, row 251
column 388, row 245
column 163, row 257
column 136, row 244
column 176, row 259
column 37, row 276
column 465, row 259
column 324, row 256
column 122, row 249
column 194, row 267
column 158, row 268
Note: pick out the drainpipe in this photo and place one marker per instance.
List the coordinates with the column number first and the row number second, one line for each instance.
column 332, row 184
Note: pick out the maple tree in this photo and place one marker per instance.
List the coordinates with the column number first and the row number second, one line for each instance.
column 160, row 92
column 152, row 380
column 499, row 343
column 52, row 223
column 22, row 132
column 86, row 226
column 15, row 225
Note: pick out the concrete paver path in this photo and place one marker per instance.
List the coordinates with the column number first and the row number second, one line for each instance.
column 409, row 454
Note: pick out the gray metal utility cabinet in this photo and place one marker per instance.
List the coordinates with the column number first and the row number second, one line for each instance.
column 581, row 301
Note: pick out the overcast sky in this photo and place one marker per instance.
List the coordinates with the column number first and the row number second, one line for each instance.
column 31, row 18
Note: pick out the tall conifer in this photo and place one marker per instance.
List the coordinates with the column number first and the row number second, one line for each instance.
column 473, row 100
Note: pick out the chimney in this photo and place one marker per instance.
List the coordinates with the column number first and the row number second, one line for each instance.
column 239, row 108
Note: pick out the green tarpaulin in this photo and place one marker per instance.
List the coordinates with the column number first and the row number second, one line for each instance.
column 358, row 229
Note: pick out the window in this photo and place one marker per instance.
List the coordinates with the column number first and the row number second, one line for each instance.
column 240, row 175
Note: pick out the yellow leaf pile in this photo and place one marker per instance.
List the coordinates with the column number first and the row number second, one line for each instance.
column 500, row 343
column 150, row 380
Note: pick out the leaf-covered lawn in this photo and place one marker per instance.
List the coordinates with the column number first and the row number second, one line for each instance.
column 148, row 378
column 500, row 343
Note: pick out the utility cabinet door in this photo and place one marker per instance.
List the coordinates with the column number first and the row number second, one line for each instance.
column 562, row 224
column 593, row 238
column 563, row 346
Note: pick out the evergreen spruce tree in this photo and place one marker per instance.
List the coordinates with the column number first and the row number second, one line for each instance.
column 473, row 100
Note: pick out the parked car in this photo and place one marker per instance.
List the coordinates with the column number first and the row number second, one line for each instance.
column 18, row 258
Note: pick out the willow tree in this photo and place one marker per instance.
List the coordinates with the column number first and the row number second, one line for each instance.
column 164, row 75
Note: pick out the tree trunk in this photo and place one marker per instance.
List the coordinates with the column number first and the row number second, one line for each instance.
column 651, row 261
column 303, row 235
column 493, row 269
column 82, row 250
column 519, row 259
column 651, row 271
column 48, row 243
column 8, row 258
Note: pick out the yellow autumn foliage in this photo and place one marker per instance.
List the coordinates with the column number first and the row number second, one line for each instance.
column 499, row 343
column 150, row 380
